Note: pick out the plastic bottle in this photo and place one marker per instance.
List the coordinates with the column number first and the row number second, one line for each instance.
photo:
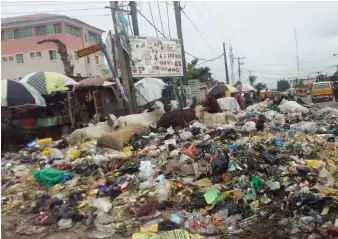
column 45, row 141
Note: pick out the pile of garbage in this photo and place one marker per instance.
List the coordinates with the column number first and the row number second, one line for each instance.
column 272, row 175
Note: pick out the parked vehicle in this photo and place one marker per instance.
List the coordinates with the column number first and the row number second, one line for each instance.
column 301, row 93
column 322, row 91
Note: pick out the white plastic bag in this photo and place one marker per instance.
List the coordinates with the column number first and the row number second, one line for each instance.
column 146, row 170
column 101, row 204
column 185, row 135
column 249, row 126
column 305, row 127
column 56, row 154
column 292, row 107
column 162, row 191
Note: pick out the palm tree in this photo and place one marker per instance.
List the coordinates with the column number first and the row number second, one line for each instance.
column 252, row 80
column 195, row 73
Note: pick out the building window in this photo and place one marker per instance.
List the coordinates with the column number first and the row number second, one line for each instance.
column 76, row 56
column 2, row 35
column 93, row 37
column 52, row 55
column 21, row 33
column 73, row 30
column 78, row 74
column 40, row 31
column 88, row 59
column 19, row 58
column 89, row 74
column 97, row 59
column 32, row 54
column 86, row 39
column 38, row 54
column 10, row 34
column 57, row 28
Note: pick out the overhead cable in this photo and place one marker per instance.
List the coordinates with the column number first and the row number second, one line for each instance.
column 152, row 17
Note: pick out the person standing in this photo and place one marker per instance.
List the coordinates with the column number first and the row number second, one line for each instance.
column 241, row 101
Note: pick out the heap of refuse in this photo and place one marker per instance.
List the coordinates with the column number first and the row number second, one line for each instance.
column 272, row 175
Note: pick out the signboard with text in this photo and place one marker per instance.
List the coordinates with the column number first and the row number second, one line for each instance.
column 156, row 57
column 89, row 50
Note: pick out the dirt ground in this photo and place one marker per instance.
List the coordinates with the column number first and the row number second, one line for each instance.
column 65, row 234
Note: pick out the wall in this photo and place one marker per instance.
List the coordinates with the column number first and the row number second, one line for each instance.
column 13, row 70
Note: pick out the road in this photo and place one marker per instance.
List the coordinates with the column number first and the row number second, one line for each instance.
column 322, row 104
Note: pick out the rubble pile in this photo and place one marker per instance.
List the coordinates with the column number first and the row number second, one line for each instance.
column 272, row 175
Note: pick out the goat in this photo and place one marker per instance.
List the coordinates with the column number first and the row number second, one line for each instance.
column 93, row 131
column 176, row 118
column 215, row 119
column 145, row 117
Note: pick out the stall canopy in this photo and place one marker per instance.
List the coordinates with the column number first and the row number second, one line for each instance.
column 148, row 89
column 48, row 82
column 16, row 93
column 96, row 81
column 228, row 103
column 246, row 88
column 221, row 88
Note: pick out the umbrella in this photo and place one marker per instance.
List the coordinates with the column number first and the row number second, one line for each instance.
column 246, row 88
column 47, row 82
column 220, row 89
column 96, row 81
column 16, row 93
column 148, row 89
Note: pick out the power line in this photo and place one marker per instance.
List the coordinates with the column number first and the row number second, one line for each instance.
column 46, row 4
column 204, row 19
column 151, row 23
column 168, row 19
column 151, row 12
column 159, row 13
column 198, row 31
column 66, row 10
column 213, row 15
column 213, row 59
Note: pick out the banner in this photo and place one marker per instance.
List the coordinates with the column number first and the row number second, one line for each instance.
column 155, row 57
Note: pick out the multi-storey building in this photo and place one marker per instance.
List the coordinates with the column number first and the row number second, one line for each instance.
column 21, row 55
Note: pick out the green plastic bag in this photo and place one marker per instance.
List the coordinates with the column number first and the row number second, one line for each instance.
column 256, row 182
column 48, row 176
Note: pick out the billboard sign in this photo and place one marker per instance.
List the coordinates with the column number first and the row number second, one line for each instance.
column 156, row 57
column 89, row 50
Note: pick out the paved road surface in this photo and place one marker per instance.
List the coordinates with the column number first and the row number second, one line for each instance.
column 323, row 104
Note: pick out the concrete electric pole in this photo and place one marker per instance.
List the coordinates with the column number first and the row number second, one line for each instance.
column 226, row 64
column 177, row 8
column 239, row 66
column 127, row 79
column 133, row 12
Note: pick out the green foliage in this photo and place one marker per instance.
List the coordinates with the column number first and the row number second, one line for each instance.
column 283, row 85
column 193, row 72
column 322, row 78
column 252, row 80
column 298, row 83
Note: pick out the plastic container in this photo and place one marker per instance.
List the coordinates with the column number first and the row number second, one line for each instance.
column 45, row 141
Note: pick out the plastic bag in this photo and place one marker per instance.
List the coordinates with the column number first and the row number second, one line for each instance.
column 162, row 191
column 292, row 107
column 146, row 170
column 65, row 224
column 325, row 178
column 101, row 204
column 74, row 154
column 56, row 154
column 48, row 176
column 305, row 127
column 186, row 135
column 249, row 126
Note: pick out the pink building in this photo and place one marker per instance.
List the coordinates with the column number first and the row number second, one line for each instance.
column 22, row 55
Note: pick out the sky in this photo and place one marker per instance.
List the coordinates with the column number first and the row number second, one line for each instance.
column 262, row 32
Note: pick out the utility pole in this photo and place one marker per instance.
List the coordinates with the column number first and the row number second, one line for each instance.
column 318, row 72
column 225, row 63
column 239, row 66
column 124, row 63
column 133, row 12
column 177, row 8
column 297, row 57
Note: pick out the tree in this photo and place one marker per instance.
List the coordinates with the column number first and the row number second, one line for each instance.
column 200, row 73
column 283, row 85
column 321, row 77
column 62, row 50
column 252, row 80
column 299, row 83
